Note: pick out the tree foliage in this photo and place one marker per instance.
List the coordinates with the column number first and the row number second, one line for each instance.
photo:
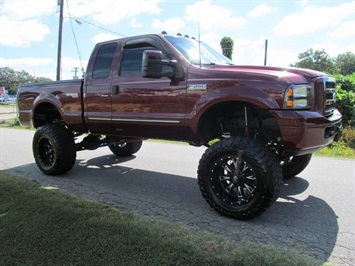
column 10, row 79
column 343, row 69
column 345, row 97
column 227, row 46
column 343, row 64
column 346, row 63
column 316, row 60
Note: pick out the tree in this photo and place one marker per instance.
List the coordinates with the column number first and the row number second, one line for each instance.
column 346, row 63
column 10, row 79
column 227, row 46
column 316, row 60
column 345, row 97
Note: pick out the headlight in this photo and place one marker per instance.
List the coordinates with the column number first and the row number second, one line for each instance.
column 298, row 97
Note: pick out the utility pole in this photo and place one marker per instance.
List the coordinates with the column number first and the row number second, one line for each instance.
column 59, row 55
column 265, row 56
column 75, row 70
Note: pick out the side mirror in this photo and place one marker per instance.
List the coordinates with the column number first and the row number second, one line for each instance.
column 152, row 64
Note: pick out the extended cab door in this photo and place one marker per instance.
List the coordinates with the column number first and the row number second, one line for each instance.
column 97, row 88
column 145, row 107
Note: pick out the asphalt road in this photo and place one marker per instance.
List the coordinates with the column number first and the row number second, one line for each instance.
column 314, row 214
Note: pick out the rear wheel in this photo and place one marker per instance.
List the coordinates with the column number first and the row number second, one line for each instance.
column 295, row 165
column 126, row 148
column 54, row 149
column 239, row 178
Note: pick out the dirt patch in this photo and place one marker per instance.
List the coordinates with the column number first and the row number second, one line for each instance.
column 7, row 116
column 7, row 112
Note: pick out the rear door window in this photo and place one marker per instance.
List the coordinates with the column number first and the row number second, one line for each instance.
column 103, row 62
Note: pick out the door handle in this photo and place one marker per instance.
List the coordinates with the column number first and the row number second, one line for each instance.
column 115, row 90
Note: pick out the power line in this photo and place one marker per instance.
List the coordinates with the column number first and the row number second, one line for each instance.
column 92, row 24
column 256, row 53
column 248, row 44
column 76, row 42
column 81, row 21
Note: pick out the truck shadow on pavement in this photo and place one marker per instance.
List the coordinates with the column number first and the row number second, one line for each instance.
column 297, row 220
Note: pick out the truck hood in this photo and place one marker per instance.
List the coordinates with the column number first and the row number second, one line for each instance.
column 292, row 75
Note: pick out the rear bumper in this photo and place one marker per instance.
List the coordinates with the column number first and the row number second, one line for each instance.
column 306, row 132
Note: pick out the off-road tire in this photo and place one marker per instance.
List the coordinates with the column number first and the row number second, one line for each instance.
column 295, row 165
column 239, row 177
column 54, row 149
column 126, row 149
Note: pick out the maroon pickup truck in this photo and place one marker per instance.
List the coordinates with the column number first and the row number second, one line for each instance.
column 260, row 124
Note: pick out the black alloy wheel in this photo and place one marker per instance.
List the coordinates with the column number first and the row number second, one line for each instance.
column 239, row 177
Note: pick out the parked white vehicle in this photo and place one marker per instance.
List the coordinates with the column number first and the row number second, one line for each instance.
column 11, row 99
column 5, row 98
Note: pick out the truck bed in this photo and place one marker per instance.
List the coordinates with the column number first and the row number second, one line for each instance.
column 66, row 94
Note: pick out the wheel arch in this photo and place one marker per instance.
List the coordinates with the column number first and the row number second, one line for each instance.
column 214, row 120
column 46, row 113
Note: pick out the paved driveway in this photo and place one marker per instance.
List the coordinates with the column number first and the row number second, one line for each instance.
column 314, row 214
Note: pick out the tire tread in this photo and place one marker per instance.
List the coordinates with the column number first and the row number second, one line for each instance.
column 267, row 162
column 63, row 142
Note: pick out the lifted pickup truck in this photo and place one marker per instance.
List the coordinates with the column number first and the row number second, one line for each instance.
column 260, row 124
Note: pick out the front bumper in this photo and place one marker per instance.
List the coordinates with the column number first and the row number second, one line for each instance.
column 306, row 132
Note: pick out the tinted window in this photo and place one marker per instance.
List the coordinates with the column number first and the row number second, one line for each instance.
column 132, row 60
column 196, row 53
column 103, row 62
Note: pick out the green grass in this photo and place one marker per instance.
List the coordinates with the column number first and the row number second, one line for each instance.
column 344, row 148
column 44, row 226
column 6, row 108
column 339, row 151
column 13, row 123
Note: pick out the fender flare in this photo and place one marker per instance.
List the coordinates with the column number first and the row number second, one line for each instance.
column 46, row 99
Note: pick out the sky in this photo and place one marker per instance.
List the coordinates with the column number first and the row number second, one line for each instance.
column 29, row 29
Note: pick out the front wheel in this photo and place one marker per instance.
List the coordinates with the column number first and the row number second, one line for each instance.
column 127, row 148
column 54, row 149
column 239, row 178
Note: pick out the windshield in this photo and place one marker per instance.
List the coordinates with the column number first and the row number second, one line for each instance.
column 189, row 48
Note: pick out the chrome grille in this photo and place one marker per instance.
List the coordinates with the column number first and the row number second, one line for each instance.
column 329, row 98
column 325, row 96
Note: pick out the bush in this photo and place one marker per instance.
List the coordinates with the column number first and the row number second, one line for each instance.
column 14, row 122
column 347, row 140
column 345, row 96
column 349, row 137
column 344, row 148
